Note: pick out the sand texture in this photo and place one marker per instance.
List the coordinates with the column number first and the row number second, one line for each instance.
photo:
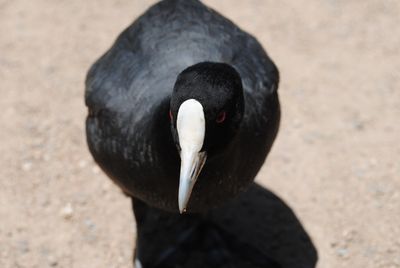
column 336, row 161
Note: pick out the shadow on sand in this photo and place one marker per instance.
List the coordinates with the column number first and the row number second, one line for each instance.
column 255, row 230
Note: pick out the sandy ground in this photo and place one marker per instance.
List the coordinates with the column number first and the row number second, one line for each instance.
column 336, row 161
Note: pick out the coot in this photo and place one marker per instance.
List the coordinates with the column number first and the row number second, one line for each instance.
column 183, row 110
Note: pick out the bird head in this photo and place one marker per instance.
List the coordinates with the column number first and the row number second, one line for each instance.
column 206, row 109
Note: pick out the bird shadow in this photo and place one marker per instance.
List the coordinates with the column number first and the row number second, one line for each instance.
column 256, row 227
column 260, row 218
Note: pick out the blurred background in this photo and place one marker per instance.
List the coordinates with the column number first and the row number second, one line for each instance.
column 336, row 161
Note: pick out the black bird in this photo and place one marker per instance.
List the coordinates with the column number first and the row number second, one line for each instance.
column 183, row 109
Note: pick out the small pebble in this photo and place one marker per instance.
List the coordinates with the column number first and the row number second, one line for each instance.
column 27, row 166
column 105, row 187
column 358, row 125
column 52, row 261
column 23, row 246
column 342, row 252
column 90, row 225
column 349, row 235
column 67, row 211
column 95, row 169
column 296, row 123
column 82, row 163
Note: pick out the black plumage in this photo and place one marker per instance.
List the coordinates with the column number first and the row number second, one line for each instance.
column 128, row 93
column 177, row 50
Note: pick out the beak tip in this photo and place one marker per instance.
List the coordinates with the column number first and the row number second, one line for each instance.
column 182, row 210
column 185, row 190
column 182, row 206
column 190, row 169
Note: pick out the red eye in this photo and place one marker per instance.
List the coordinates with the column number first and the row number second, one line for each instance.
column 221, row 117
column 170, row 115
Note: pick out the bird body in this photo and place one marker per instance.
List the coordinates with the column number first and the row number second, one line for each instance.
column 184, row 106
column 128, row 92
